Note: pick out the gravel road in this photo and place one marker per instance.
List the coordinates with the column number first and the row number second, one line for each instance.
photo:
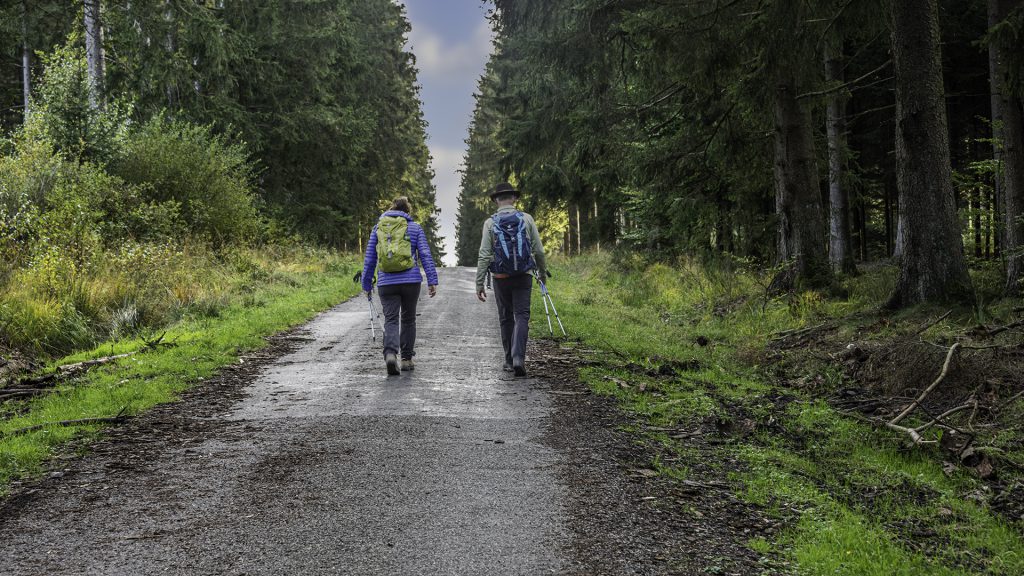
column 306, row 459
column 327, row 466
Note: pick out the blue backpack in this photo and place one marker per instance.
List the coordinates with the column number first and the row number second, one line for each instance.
column 513, row 254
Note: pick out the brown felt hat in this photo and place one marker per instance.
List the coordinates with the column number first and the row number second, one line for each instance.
column 503, row 188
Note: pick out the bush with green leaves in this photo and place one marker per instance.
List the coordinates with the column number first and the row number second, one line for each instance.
column 62, row 114
column 206, row 175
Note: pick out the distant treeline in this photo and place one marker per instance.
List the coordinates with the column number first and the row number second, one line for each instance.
column 321, row 92
column 812, row 134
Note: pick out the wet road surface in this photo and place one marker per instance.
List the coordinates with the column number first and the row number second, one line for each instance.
column 330, row 467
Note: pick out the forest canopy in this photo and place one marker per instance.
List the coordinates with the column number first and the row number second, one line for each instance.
column 322, row 93
column 775, row 132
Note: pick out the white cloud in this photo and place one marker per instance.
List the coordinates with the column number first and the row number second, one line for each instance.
column 447, row 162
column 449, row 65
column 436, row 58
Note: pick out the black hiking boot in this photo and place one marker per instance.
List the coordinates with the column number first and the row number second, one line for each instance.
column 392, row 362
column 518, row 367
column 507, row 367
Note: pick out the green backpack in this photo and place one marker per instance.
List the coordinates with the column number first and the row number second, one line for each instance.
column 394, row 250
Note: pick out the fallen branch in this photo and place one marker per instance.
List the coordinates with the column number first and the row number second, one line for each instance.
column 934, row 322
column 1009, row 326
column 795, row 331
column 928, row 390
column 1011, row 400
column 81, row 421
column 914, row 434
column 9, row 393
column 152, row 344
column 939, row 420
column 991, row 346
column 784, row 335
column 72, row 369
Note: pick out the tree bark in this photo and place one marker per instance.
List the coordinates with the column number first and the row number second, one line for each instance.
column 94, row 51
column 172, row 47
column 974, row 208
column 579, row 231
column 26, row 60
column 1008, row 132
column 840, row 254
column 801, row 224
column 888, row 217
column 932, row 263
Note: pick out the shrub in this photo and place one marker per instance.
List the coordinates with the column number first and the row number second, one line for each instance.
column 204, row 175
column 62, row 114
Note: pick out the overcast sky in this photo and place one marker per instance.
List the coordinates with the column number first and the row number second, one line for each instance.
column 452, row 41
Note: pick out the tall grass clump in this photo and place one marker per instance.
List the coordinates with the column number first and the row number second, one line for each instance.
column 110, row 228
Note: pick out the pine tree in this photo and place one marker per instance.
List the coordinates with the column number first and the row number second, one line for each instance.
column 932, row 265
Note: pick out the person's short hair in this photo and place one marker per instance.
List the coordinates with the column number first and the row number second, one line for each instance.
column 402, row 203
column 505, row 197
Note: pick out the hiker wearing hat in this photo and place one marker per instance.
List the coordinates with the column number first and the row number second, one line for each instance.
column 398, row 247
column 510, row 251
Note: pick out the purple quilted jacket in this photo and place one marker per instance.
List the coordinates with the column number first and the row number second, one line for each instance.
column 420, row 253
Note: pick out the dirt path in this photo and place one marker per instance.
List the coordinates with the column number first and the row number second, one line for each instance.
column 313, row 462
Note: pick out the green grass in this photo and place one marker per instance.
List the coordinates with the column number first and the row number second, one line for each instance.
column 296, row 291
column 856, row 500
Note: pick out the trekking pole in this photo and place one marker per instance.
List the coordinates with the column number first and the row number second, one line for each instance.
column 379, row 313
column 373, row 311
column 547, row 295
column 544, row 298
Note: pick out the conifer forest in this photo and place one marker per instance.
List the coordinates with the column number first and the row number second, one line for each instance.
column 512, row 287
column 813, row 135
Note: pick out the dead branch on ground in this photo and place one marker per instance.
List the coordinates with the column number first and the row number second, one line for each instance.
column 68, row 370
column 1001, row 329
column 120, row 417
column 933, row 322
column 915, row 433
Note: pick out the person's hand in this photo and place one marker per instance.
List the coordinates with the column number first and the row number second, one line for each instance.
column 369, row 295
column 432, row 290
column 481, row 295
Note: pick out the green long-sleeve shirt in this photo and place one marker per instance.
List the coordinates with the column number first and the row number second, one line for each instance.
column 487, row 247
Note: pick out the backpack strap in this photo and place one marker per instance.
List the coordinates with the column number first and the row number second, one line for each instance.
column 519, row 232
column 499, row 235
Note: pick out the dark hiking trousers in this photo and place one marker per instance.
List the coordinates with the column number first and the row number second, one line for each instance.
column 400, row 300
column 513, row 297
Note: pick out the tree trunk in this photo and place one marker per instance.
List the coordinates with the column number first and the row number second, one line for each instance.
column 801, row 225
column 1008, row 120
column 26, row 60
column 840, row 255
column 573, row 231
column 94, row 51
column 888, row 217
column 989, row 218
column 932, row 264
column 579, row 231
column 974, row 207
column 172, row 47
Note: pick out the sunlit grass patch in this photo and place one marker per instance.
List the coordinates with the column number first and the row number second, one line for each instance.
column 688, row 347
column 201, row 345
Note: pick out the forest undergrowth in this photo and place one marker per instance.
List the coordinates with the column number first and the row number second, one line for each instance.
column 275, row 290
column 136, row 258
column 788, row 398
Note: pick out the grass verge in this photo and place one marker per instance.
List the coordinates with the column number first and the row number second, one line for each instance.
column 288, row 292
column 695, row 354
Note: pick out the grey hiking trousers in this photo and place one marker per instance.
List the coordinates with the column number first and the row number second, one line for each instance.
column 513, row 298
column 399, row 300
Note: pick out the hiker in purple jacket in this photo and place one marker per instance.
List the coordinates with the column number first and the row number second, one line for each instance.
column 398, row 290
